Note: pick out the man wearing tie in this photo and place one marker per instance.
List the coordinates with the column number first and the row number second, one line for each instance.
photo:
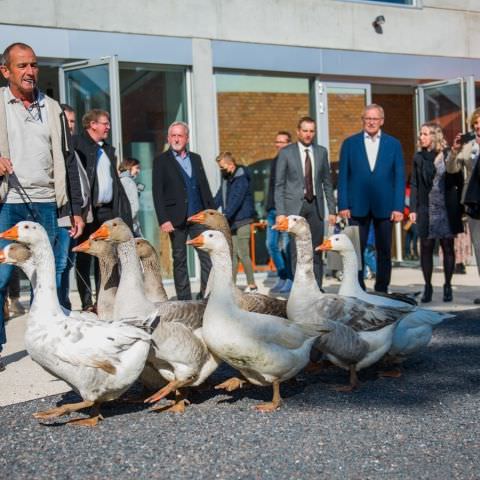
column 371, row 186
column 302, row 179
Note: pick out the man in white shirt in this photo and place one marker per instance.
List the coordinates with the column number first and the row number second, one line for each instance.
column 108, row 197
column 302, row 180
column 371, row 188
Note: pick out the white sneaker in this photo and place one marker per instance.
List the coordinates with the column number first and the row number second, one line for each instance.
column 251, row 290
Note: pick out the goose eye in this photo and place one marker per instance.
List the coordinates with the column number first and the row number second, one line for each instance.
column 114, row 224
column 26, row 227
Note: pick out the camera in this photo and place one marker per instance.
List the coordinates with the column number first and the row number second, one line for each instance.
column 467, row 137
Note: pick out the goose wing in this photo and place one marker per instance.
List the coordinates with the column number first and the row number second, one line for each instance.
column 188, row 312
column 358, row 315
column 95, row 344
column 257, row 302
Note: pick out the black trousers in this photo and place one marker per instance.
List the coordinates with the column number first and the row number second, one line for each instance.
column 178, row 240
column 310, row 212
column 383, row 247
column 84, row 261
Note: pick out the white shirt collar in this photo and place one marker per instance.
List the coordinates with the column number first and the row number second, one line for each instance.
column 375, row 137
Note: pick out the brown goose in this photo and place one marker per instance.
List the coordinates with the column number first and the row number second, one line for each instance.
column 152, row 276
column 109, row 274
column 178, row 353
column 253, row 302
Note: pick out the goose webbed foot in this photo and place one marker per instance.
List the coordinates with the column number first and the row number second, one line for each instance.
column 231, row 384
column 176, row 406
column 393, row 373
column 166, row 390
column 63, row 410
column 275, row 403
column 354, row 382
column 91, row 421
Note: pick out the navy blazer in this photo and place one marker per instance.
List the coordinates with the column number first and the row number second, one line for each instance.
column 378, row 192
column 170, row 192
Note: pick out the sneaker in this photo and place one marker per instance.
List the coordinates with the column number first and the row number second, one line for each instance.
column 16, row 307
column 287, row 286
column 278, row 286
column 251, row 290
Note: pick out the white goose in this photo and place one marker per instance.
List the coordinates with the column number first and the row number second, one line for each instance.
column 414, row 331
column 266, row 349
column 98, row 360
column 178, row 354
column 363, row 332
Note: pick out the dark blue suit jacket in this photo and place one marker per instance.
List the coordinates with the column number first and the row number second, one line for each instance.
column 377, row 192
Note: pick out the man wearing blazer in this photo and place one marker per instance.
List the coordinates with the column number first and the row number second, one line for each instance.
column 371, row 188
column 302, row 179
column 180, row 190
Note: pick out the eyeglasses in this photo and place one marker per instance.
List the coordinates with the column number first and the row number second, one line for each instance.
column 107, row 124
column 371, row 119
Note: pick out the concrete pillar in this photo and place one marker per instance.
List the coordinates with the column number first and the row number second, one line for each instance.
column 204, row 109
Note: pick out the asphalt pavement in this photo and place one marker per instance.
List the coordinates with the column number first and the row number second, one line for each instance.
column 422, row 425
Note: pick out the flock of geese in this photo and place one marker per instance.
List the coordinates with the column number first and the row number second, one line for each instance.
column 138, row 333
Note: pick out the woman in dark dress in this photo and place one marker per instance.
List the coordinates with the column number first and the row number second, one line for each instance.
column 435, row 206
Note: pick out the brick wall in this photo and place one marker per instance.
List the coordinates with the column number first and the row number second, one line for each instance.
column 344, row 112
column 399, row 122
column 248, row 121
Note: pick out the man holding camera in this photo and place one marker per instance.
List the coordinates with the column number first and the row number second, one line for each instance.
column 464, row 156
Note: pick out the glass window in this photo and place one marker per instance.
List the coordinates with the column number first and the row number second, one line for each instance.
column 399, row 2
column 151, row 99
column 251, row 110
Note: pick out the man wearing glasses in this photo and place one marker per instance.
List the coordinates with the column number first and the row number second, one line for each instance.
column 108, row 197
column 371, row 186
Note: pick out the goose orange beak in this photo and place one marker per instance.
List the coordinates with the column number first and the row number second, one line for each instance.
column 83, row 247
column 3, row 257
column 10, row 234
column 326, row 245
column 197, row 218
column 282, row 225
column 197, row 241
column 103, row 233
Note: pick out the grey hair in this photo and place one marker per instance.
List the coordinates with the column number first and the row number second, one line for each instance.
column 179, row 124
column 374, row 106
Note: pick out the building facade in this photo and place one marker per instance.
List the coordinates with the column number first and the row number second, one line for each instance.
column 239, row 71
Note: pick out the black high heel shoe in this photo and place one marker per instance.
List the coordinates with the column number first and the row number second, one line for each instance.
column 427, row 294
column 447, row 293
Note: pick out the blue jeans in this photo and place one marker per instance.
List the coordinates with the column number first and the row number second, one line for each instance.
column 277, row 246
column 11, row 214
column 64, row 258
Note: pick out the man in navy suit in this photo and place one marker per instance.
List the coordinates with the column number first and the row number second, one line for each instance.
column 371, row 186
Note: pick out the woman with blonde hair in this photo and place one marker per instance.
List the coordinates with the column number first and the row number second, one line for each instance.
column 435, row 206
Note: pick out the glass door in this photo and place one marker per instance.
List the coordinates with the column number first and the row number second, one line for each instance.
column 338, row 109
column 91, row 84
column 447, row 102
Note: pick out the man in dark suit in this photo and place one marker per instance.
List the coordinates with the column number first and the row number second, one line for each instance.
column 371, row 188
column 108, row 197
column 302, row 179
column 180, row 190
